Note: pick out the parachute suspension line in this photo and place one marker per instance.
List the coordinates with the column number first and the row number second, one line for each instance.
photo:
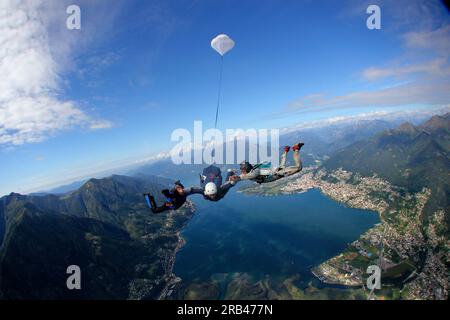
column 213, row 153
column 222, row 44
column 219, row 91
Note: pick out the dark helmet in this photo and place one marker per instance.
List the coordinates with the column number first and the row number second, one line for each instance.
column 246, row 166
column 178, row 183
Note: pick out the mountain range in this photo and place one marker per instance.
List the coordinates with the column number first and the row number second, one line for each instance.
column 124, row 251
column 320, row 143
column 410, row 156
column 322, row 138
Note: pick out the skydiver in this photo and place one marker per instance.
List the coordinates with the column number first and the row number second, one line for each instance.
column 260, row 174
column 212, row 188
column 175, row 198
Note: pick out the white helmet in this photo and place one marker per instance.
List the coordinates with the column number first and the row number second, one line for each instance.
column 210, row 189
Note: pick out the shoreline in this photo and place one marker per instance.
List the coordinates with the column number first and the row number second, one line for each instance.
column 324, row 280
column 171, row 278
column 310, row 180
column 394, row 238
column 320, row 276
column 399, row 237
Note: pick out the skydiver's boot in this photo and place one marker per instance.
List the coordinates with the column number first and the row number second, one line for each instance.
column 297, row 159
column 151, row 202
column 155, row 208
column 298, row 146
column 283, row 157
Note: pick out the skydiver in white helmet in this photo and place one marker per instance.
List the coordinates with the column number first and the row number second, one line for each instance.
column 212, row 188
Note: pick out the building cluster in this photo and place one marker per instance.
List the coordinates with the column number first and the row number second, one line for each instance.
column 401, row 234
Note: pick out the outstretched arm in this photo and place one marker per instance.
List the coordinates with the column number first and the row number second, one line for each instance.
column 226, row 187
column 193, row 190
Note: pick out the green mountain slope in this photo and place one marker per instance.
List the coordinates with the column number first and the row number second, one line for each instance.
column 105, row 227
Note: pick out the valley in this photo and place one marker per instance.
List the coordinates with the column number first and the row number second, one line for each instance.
column 105, row 227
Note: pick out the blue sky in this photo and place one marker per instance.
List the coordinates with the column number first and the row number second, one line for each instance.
column 76, row 102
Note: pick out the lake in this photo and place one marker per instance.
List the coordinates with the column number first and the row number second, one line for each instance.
column 277, row 236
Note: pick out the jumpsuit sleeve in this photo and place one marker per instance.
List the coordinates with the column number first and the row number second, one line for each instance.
column 225, row 188
column 251, row 175
column 194, row 190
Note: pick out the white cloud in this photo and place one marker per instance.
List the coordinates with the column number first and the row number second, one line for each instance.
column 158, row 156
column 438, row 67
column 432, row 42
column 403, row 95
column 100, row 124
column 423, row 69
column 32, row 107
column 437, row 39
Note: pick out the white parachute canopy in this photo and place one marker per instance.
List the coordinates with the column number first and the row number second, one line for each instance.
column 222, row 44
